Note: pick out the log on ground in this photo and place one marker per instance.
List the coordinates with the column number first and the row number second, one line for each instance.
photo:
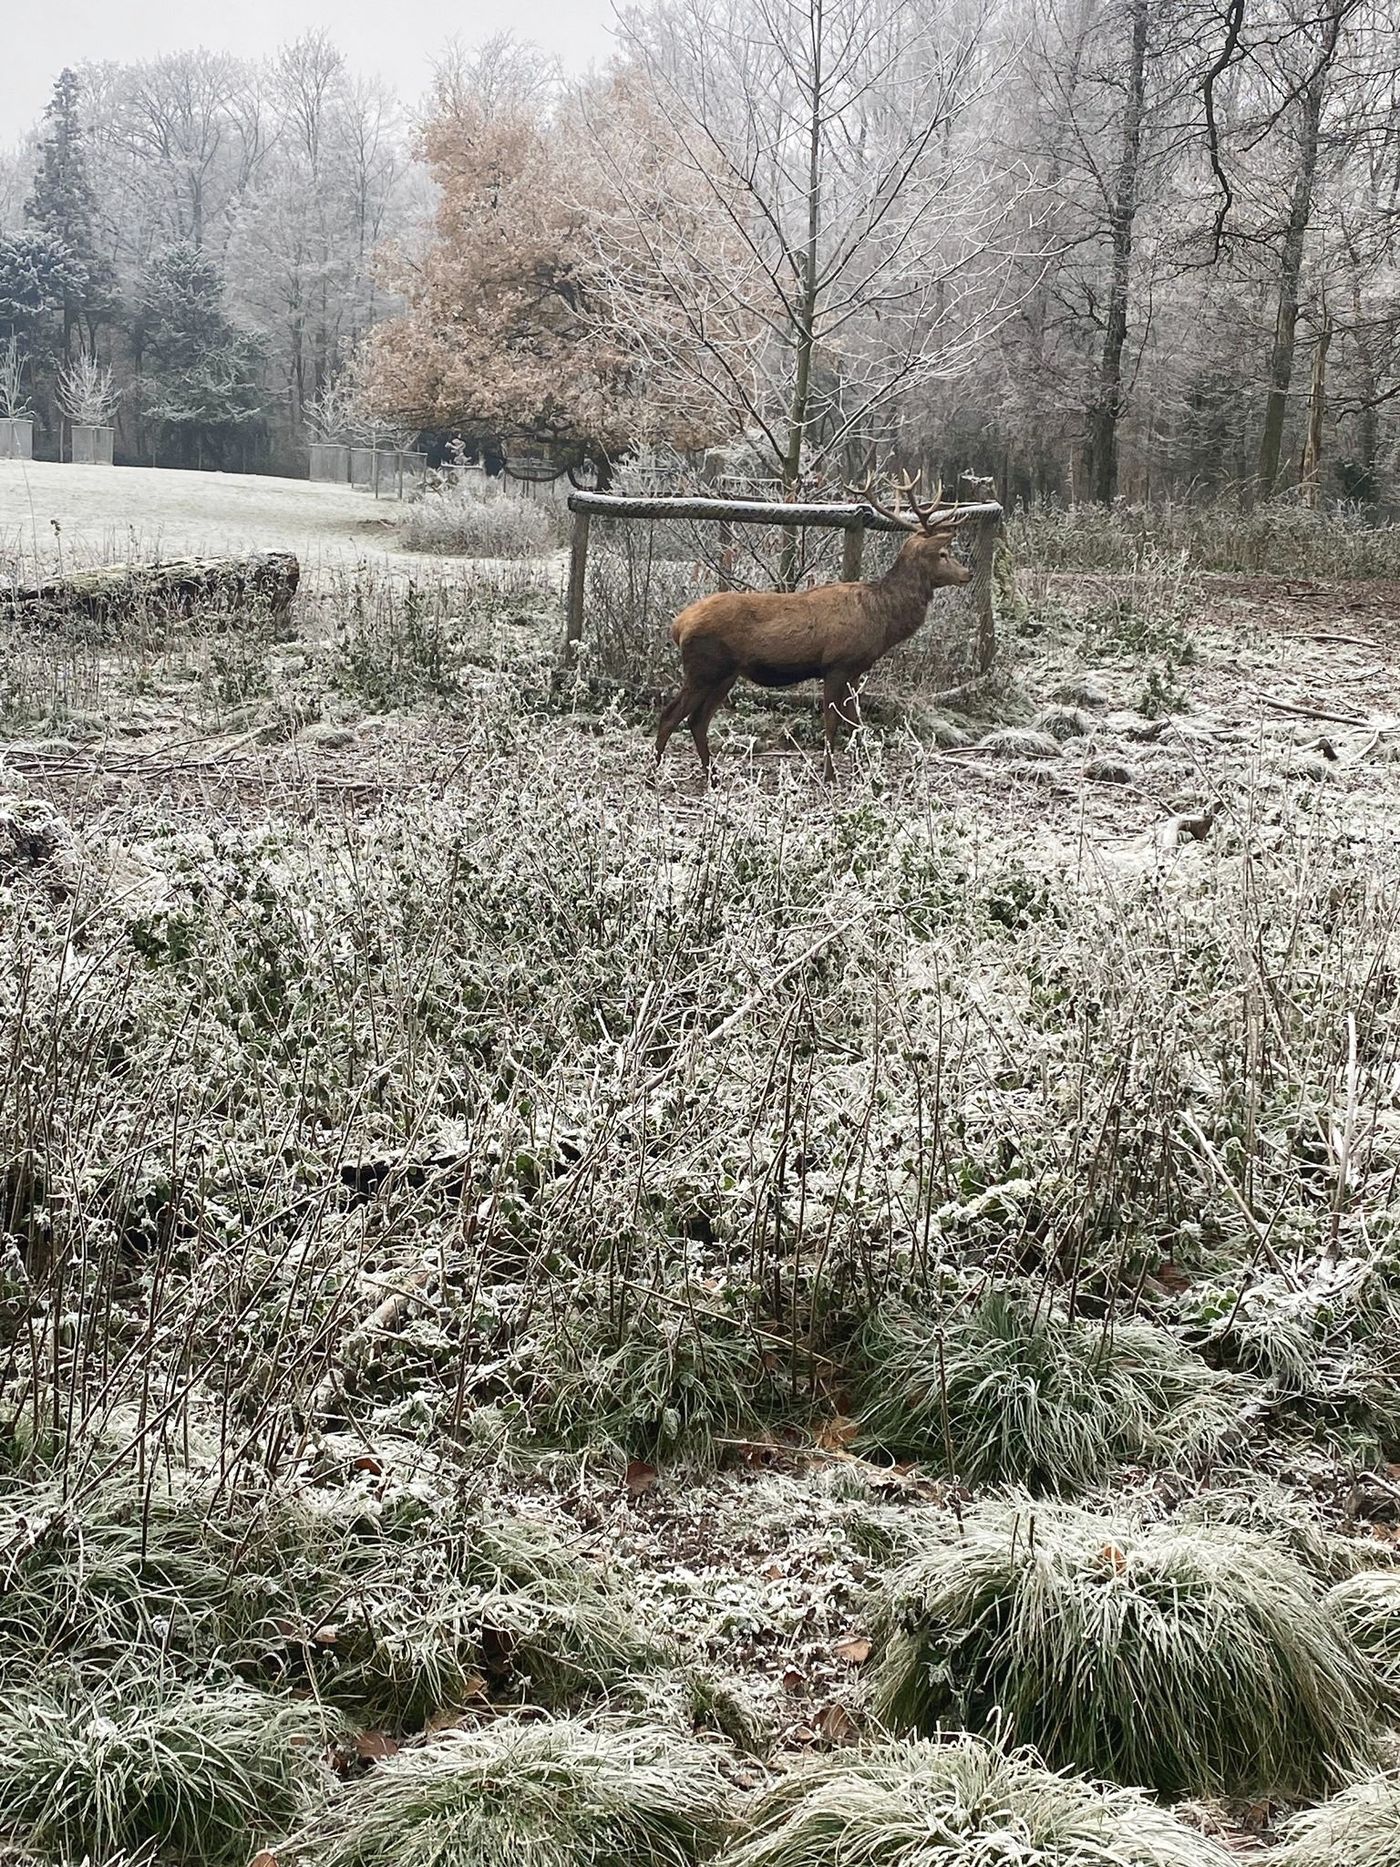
column 116, row 595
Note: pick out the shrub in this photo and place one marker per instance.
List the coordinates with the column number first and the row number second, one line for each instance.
column 1280, row 537
column 206, row 1775
column 958, row 1803
column 493, row 525
column 555, row 1794
column 1368, row 1607
column 1358, row 1828
column 1014, row 1390
column 1177, row 1657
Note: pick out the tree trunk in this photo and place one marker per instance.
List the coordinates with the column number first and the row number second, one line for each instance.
column 1101, row 451
column 1291, row 260
column 806, row 307
column 1310, row 474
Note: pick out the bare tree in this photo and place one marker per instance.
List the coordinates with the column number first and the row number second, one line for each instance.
column 816, row 234
column 1101, row 449
column 87, row 393
column 1318, row 45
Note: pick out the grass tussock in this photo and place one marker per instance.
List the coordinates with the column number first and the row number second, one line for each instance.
column 958, row 1802
column 1358, row 1828
column 1368, row 1606
column 551, row 1794
column 1010, row 1388
column 1268, row 1510
column 393, row 1613
column 207, row 1775
column 1187, row 1659
column 672, row 1382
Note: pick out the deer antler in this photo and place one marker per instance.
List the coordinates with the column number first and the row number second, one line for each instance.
column 927, row 517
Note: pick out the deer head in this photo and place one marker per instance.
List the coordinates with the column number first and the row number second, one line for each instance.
column 931, row 524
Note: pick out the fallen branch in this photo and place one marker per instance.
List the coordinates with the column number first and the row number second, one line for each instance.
column 1312, row 713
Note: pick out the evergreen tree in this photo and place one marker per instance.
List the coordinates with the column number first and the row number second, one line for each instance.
column 201, row 372
column 38, row 277
column 62, row 206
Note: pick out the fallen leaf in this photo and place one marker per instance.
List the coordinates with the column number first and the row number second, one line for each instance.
column 368, row 1463
column 793, row 1681
column 326, row 1636
column 289, row 1630
column 773, row 1573
column 641, row 1477
column 375, row 1746
column 265, row 1859
column 836, row 1724
column 1114, row 1557
column 837, row 1433
column 855, row 1649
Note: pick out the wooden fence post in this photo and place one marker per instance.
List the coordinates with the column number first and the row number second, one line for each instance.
column 578, row 575
column 726, row 555
column 852, row 551
column 984, row 589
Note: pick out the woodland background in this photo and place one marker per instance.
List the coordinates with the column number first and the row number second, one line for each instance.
column 1100, row 248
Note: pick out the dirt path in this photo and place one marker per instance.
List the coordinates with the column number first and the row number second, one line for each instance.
column 118, row 512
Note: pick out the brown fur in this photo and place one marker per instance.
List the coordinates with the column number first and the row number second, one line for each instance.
column 834, row 634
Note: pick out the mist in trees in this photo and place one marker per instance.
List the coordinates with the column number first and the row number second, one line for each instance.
column 211, row 227
column 1102, row 248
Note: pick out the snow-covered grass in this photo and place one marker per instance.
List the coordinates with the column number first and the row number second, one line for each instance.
column 554, row 1794
column 483, row 1230
column 960, row 1802
column 192, row 1775
column 1002, row 1386
column 1191, row 1659
column 1358, row 1828
column 473, row 524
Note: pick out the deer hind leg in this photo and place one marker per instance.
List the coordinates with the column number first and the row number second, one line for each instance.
column 671, row 716
column 838, row 703
column 700, row 718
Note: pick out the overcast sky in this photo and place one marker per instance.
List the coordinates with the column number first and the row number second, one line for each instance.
column 396, row 38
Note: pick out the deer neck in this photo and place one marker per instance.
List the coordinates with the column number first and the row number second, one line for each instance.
column 903, row 596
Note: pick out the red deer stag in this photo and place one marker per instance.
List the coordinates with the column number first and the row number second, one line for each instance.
column 834, row 633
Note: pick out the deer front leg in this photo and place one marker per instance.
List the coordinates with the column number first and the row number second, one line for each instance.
column 838, row 695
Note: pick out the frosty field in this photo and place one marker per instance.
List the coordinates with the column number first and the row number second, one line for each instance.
column 760, row 1275
column 106, row 513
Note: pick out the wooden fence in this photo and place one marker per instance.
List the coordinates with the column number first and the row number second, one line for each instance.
column 853, row 519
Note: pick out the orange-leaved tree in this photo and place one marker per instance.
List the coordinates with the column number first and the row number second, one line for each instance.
column 503, row 333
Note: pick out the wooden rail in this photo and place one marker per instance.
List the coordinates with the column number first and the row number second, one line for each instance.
column 853, row 518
